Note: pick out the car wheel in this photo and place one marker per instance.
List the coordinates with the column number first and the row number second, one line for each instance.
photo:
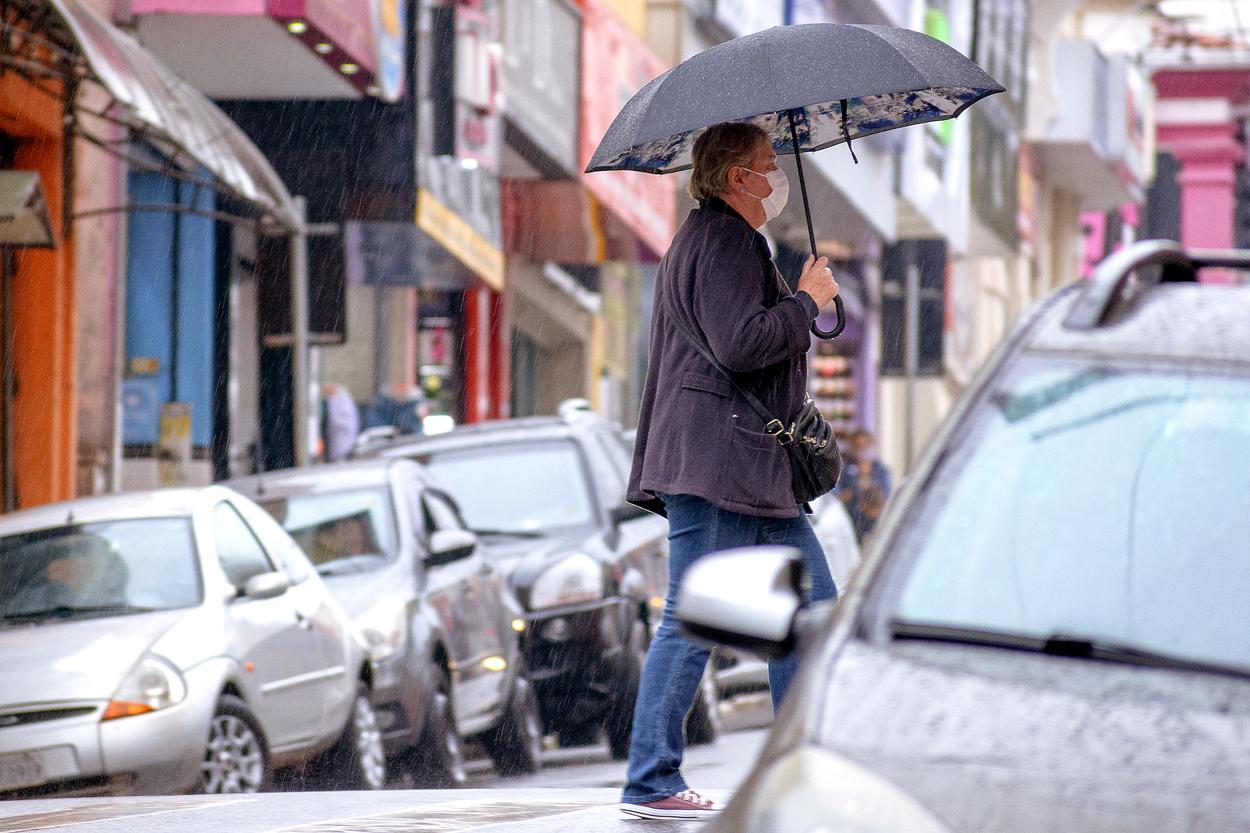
column 236, row 759
column 620, row 720
column 357, row 760
column 516, row 746
column 438, row 761
column 703, row 722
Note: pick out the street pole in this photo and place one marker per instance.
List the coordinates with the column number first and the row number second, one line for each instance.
column 299, row 333
column 911, row 357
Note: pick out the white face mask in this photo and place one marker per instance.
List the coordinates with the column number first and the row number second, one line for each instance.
column 776, row 201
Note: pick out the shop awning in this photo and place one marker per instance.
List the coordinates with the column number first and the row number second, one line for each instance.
column 77, row 45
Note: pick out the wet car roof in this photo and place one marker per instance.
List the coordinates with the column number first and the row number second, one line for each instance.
column 501, row 431
column 163, row 503
column 352, row 474
column 1200, row 323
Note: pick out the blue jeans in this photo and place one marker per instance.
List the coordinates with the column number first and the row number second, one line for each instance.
column 674, row 666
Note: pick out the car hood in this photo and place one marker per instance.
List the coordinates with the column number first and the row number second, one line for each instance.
column 523, row 559
column 1001, row 741
column 85, row 659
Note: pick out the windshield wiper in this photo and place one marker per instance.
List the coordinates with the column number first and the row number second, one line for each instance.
column 507, row 533
column 67, row 611
column 1075, row 646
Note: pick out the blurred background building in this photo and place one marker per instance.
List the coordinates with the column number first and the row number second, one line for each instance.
column 172, row 314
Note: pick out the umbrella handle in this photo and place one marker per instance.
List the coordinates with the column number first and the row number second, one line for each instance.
column 837, row 328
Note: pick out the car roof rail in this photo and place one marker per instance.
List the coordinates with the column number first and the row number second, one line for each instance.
column 1116, row 280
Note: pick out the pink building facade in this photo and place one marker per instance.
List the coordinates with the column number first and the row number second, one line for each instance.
column 1200, row 124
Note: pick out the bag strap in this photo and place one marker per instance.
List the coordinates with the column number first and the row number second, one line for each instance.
column 772, row 425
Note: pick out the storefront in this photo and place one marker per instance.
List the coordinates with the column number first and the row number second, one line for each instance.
column 72, row 80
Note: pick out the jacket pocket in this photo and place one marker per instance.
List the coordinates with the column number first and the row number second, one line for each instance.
column 754, row 440
column 708, row 384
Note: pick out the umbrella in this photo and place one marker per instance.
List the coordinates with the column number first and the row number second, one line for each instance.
column 809, row 87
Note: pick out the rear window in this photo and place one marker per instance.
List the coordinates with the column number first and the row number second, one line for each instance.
column 352, row 527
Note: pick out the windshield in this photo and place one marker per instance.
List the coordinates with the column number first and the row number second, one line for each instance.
column 353, row 525
column 521, row 488
column 99, row 569
column 1109, row 504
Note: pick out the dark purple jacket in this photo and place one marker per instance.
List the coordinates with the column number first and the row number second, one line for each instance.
column 696, row 435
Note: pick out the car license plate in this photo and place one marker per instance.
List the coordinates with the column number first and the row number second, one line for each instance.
column 24, row 769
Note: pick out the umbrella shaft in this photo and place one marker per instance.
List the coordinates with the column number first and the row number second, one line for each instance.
column 798, row 162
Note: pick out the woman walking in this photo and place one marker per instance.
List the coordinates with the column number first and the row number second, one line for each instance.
column 702, row 457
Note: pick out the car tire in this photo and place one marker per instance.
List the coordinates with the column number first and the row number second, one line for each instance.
column 357, row 761
column 516, row 746
column 620, row 719
column 236, row 756
column 703, row 723
column 437, row 762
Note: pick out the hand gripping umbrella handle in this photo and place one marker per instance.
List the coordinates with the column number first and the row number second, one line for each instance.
column 837, row 328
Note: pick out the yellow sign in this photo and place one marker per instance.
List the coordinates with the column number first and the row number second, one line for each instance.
column 174, row 460
column 632, row 12
column 458, row 237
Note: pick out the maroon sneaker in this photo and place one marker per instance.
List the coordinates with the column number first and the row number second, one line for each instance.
column 687, row 804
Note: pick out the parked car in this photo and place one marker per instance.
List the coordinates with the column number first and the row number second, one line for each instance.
column 591, row 570
column 439, row 619
column 173, row 641
column 1049, row 629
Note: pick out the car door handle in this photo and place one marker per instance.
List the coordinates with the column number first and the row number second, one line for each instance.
column 304, row 621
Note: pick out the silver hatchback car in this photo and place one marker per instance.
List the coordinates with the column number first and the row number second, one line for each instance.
column 173, row 641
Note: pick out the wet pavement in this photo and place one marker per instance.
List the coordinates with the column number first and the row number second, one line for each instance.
column 577, row 790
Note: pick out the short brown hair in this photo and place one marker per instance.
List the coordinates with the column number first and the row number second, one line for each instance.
column 718, row 149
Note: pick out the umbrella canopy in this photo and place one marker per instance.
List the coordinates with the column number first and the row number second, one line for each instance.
column 839, row 81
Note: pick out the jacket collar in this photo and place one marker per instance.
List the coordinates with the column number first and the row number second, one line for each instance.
column 721, row 207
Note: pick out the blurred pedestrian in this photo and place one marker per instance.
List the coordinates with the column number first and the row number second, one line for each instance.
column 341, row 422
column 865, row 485
column 401, row 406
column 702, row 456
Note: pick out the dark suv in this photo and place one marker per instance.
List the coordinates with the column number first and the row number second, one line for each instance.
column 548, row 494
column 438, row 617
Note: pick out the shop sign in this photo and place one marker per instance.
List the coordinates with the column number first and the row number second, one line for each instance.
column 633, row 13
column 540, row 93
column 400, row 254
column 141, row 410
column 742, row 17
column 458, row 237
column 616, row 63
column 390, row 27
column 477, row 83
column 174, row 460
column 994, row 143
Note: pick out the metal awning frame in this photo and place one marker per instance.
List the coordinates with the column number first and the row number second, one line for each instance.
column 38, row 45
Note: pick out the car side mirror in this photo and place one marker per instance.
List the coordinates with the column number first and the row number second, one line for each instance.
column 627, row 512
column 746, row 598
column 448, row 545
column 266, row 586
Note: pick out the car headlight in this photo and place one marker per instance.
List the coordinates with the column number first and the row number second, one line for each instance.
column 385, row 630
column 812, row 790
column 151, row 685
column 577, row 578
